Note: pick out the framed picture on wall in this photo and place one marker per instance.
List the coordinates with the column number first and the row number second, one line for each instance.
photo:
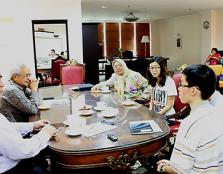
column 179, row 42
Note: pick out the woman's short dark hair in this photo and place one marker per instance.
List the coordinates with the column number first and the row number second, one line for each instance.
column 163, row 71
column 214, row 49
column 202, row 77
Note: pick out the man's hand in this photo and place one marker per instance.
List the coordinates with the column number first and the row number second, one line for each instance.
column 37, row 125
column 95, row 88
column 49, row 129
column 34, row 85
column 163, row 166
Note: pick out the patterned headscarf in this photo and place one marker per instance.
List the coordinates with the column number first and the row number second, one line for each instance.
column 121, row 79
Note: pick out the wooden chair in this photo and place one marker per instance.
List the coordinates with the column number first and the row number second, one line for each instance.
column 72, row 74
column 54, row 77
column 182, row 110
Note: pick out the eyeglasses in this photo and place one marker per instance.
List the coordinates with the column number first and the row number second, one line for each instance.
column 181, row 85
column 154, row 68
column 187, row 86
column 25, row 76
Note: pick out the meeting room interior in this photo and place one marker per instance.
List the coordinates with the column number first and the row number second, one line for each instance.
column 71, row 48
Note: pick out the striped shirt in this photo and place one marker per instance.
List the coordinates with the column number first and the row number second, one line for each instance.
column 199, row 142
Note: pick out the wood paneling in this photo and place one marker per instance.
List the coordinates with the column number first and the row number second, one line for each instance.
column 112, row 27
column 127, row 27
column 112, row 37
column 142, row 29
column 100, row 41
column 127, row 38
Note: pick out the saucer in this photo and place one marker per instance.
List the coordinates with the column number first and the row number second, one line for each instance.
column 99, row 108
column 86, row 112
column 110, row 113
column 105, row 91
column 128, row 103
column 44, row 107
column 85, row 107
column 72, row 132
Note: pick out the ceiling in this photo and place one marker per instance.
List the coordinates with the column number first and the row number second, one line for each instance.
column 146, row 10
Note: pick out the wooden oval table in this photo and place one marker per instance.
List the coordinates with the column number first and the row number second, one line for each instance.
column 80, row 152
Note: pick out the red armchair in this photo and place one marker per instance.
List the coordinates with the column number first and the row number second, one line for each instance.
column 72, row 74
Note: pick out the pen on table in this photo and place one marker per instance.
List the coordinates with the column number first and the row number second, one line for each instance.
column 124, row 122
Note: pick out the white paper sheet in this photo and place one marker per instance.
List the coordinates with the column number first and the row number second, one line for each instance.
column 155, row 126
column 96, row 128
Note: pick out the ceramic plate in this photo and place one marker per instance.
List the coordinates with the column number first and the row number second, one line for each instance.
column 85, row 107
column 44, row 107
column 72, row 132
column 105, row 91
column 110, row 114
column 86, row 112
column 128, row 103
column 99, row 108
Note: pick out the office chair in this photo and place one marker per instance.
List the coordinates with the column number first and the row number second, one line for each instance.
column 72, row 74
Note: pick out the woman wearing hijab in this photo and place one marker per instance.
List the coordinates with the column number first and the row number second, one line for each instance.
column 125, row 81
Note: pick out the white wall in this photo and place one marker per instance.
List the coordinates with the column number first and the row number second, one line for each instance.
column 190, row 31
column 154, row 38
column 196, row 41
column 16, row 40
column 219, row 29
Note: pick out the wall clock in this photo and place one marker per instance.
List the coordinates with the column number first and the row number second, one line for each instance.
column 206, row 24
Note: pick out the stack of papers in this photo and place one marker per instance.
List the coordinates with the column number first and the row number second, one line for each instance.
column 96, row 128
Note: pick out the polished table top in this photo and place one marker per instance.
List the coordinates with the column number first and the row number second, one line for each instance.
column 69, row 103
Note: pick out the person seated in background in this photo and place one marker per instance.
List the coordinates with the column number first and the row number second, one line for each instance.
column 126, row 82
column 63, row 54
column 199, row 142
column 20, row 98
column 53, row 54
column 14, row 149
column 214, row 58
column 163, row 87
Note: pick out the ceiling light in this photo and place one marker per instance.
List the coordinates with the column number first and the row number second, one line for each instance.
column 131, row 18
column 103, row 6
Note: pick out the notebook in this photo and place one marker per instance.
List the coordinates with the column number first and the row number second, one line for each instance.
column 82, row 87
column 140, row 127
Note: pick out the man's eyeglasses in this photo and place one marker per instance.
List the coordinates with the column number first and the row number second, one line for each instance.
column 181, row 85
column 25, row 76
column 187, row 86
column 154, row 68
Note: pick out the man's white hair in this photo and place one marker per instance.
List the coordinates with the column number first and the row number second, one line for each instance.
column 17, row 69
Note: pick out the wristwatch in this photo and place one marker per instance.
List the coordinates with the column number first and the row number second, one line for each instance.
column 162, row 169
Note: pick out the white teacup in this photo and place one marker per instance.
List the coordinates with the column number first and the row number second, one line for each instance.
column 76, row 122
column 101, row 104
